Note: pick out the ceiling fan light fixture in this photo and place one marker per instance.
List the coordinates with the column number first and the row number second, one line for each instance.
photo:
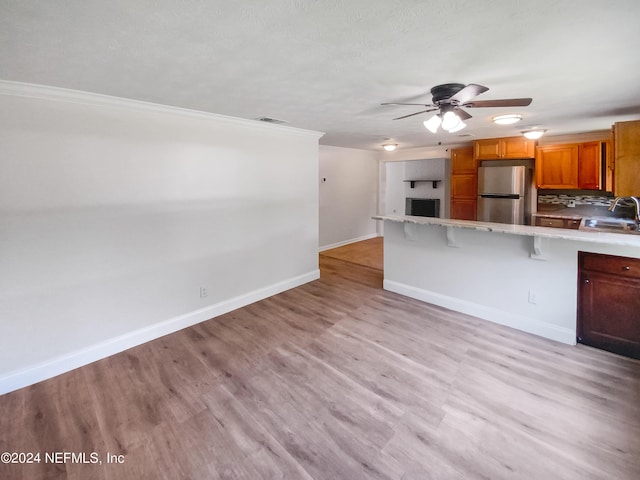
column 450, row 121
column 533, row 134
column 433, row 123
column 458, row 127
column 390, row 147
column 507, row 119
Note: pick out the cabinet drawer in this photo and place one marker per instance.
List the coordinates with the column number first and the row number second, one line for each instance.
column 572, row 224
column 623, row 266
column 549, row 222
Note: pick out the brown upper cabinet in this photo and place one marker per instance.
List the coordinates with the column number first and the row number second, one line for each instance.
column 557, row 166
column 462, row 161
column 627, row 158
column 571, row 166
column 504, row 148
column 590, row 156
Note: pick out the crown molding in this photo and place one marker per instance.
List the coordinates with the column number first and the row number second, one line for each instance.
column 593, row 136
column 45, row 92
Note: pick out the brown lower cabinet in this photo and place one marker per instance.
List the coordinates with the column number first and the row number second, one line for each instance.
column 609, row 303
column 464, row 209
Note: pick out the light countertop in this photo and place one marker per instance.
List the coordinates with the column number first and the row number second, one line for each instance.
column 524, row 230
column 565, row 213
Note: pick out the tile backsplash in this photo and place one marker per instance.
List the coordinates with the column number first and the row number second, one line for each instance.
column 578, row 199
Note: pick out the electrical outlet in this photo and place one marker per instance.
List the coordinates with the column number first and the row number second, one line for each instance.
column 203, row 292
column 533, row 297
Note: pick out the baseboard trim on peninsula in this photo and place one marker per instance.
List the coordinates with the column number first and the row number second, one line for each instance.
column 519, row 322
column 78, row 358
column 347, row 242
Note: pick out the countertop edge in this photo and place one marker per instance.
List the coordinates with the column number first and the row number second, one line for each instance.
column 558, row 215
column 522, row 230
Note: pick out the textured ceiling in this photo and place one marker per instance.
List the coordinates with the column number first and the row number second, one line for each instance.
column 327, row 64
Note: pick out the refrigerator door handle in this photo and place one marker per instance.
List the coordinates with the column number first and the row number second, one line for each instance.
column 514, row 196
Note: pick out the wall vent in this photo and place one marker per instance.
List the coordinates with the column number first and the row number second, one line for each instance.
column 271, row 120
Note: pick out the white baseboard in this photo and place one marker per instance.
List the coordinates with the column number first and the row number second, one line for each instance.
column 519, row 322
column 347, row 242
column 72, row 360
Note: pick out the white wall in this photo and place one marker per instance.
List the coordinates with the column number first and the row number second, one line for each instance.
column 348, row 195
column 113, row 215
column 489, row 275
column 394, row 188
column 397, row 190
column 388, row 187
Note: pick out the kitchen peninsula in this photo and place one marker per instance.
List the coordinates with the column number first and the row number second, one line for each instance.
column 525, row 277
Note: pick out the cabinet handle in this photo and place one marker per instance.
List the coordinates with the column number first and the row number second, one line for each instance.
column 626, row 268
column 587, row 281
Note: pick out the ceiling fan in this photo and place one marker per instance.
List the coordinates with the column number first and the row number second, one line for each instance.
column 450, row 97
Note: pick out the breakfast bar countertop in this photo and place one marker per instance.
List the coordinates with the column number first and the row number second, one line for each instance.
column 607, row 238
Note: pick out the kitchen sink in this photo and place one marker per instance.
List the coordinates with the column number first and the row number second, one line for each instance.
column 614, row 225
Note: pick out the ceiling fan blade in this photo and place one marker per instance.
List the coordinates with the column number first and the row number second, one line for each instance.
column 462, row 115
column 418, row 104
column 467, row 93
column 506, row 102
column 417, row 113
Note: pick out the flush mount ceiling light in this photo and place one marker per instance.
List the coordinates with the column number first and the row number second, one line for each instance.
column 390, row 147
column 507, row 119
column 533, row 134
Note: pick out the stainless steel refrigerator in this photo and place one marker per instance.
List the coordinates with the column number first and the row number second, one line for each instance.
column 502, row 194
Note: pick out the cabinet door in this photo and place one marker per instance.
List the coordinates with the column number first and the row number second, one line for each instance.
column 464, row 186
column 590, row 166
column 607, row 181
column 627, row 158
column 517, row 147
column 557, row 166
column 488, row 149
column 463, row 161
column 504, row 148
column 463, row 209
column 608, row 308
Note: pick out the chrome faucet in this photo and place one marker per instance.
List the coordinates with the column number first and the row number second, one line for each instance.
column 634, row 199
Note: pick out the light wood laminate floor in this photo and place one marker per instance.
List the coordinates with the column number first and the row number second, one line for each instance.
column 367, row 252
column 337, row 379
